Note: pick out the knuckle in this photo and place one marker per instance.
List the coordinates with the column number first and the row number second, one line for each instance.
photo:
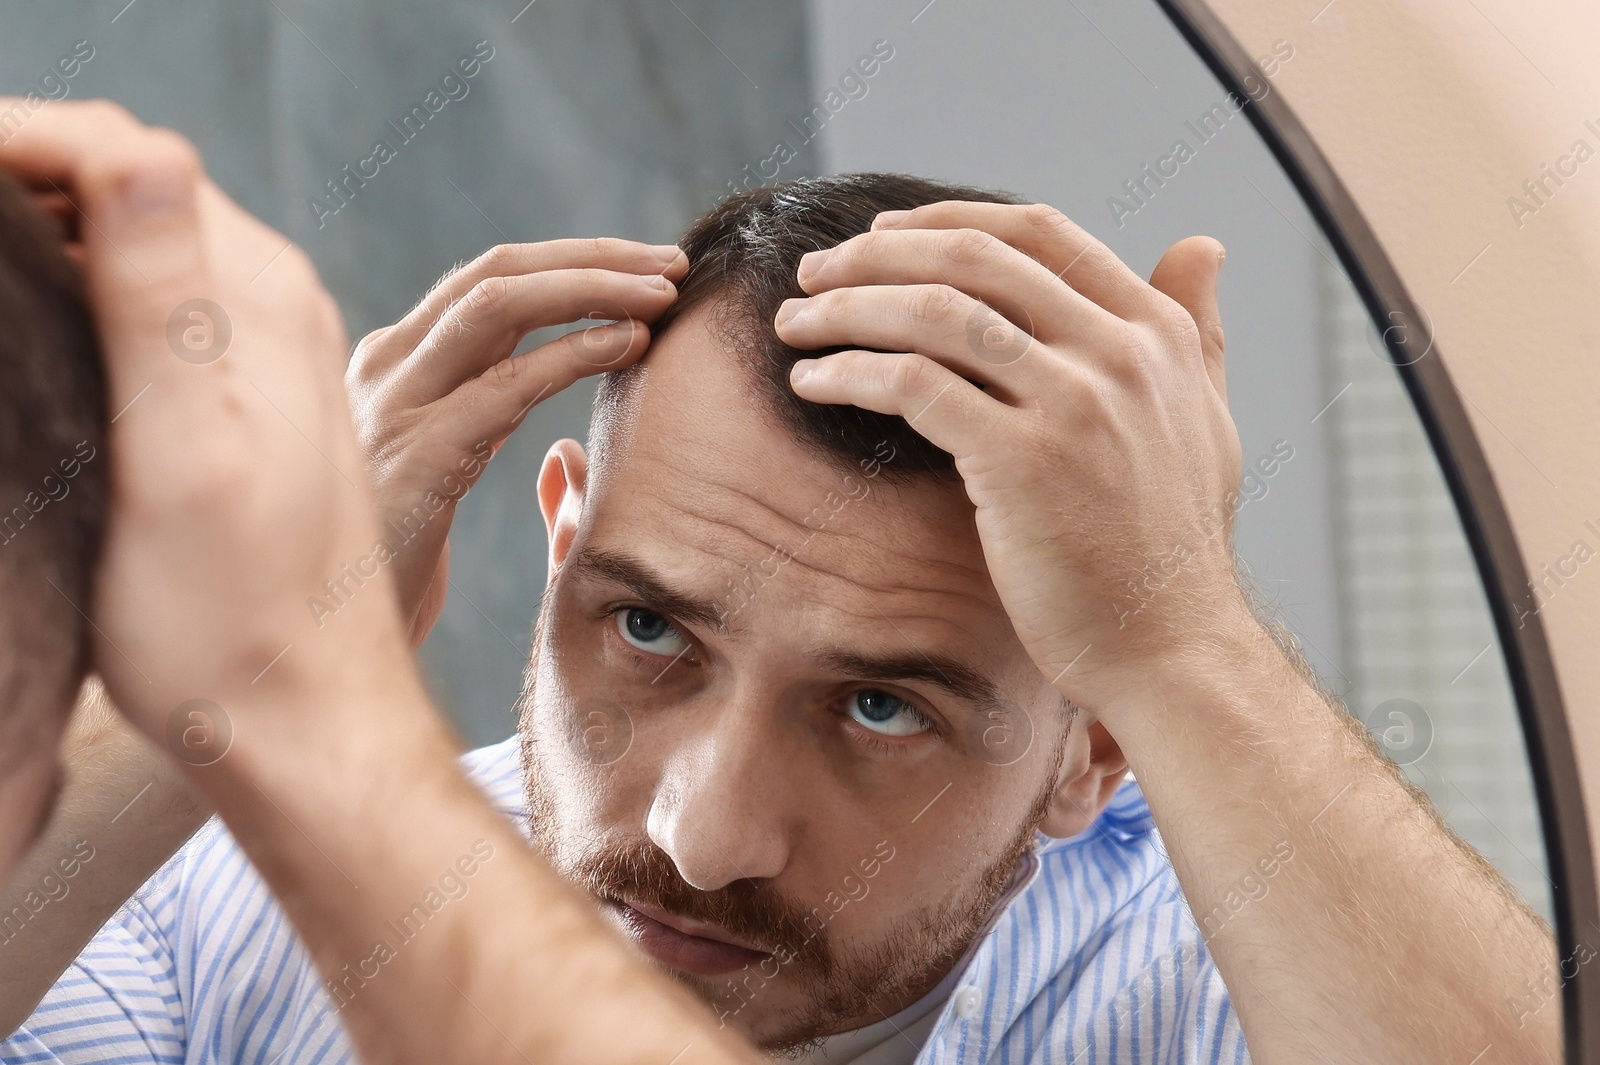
column 933, row 305
column 909, row 374
column 1175, row 322
column 1131, row 349
column 147, row 152
column 968, row 247
column 175, row 150
column 498, row 260
column 1047, row 219
column 486, row 298
column 368, row 344
column 356, row 370
column 846, row 253
column 110, row 112
column 506, row 373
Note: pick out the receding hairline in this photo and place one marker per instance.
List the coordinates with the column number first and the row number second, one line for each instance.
column 743, row 253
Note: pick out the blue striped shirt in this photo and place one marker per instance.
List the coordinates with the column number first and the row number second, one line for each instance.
column 1095, row 960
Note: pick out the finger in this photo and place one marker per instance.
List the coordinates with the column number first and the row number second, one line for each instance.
column 506, row 260
column 142, row 241
column 971, row 260
column 1065, row 248
column 949, row 412
column 935, row 321
column 48, row 146
column 1188, row 274
column 490, row 406
column 484, row 328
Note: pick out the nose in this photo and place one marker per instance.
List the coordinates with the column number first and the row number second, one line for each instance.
column 719, row 810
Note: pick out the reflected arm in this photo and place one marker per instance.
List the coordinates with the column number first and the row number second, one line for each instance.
column 1347, row 920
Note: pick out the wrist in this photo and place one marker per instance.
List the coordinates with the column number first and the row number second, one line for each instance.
column 1210, row 668
column 328, row 728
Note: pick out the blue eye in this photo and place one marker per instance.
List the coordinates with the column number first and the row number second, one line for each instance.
column 649, row 631
column 885, row 714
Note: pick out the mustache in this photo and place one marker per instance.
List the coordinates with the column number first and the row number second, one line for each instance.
column 750, row 910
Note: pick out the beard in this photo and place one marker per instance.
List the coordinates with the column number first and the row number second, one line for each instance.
column 840, row 984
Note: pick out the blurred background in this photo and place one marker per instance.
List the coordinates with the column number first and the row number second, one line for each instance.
column 628, row 118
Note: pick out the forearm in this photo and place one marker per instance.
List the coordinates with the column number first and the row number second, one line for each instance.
column 124, row 809
column 512, row 966
column 1344, row 917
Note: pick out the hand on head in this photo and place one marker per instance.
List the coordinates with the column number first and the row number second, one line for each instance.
column 236, row 480
column 439, row 391
column 1075, row 397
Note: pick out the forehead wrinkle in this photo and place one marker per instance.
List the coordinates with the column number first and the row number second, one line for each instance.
column 722, row 523
column 912, row 644
column 835, row 542
column 810, row 535
column 865, row 587
column 802, row 557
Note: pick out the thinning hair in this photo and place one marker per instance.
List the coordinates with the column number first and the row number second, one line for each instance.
column 743, row 254
column 52, row 472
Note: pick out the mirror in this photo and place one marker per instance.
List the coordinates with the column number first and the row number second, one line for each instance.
column 394, row 142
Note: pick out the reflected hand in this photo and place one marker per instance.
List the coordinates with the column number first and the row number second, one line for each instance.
column 1087, row 417
column 438, row 392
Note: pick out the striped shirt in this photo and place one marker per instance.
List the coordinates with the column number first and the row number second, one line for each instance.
column 1094, row 960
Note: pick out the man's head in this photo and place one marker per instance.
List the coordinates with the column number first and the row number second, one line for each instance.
column 52, row 504
column 774, row 698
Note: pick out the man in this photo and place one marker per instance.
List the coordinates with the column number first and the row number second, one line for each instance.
column 808, row 683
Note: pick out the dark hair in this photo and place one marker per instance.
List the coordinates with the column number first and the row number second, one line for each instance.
column 52, row 478
column 742, row 259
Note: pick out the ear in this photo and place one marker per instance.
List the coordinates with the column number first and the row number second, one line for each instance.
column 1093, row 770
column 562, row 480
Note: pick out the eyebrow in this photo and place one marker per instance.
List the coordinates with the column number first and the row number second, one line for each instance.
column 941, row 671
column 937, row 670
column 639, row 579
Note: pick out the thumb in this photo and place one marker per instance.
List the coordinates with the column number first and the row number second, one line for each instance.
column 1188, row 274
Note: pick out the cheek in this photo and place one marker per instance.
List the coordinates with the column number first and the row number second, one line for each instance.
column 591, row 774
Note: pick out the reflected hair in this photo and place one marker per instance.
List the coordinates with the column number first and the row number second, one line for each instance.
column 743, row 254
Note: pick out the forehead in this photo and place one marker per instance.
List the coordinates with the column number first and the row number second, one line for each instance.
column 704, row 484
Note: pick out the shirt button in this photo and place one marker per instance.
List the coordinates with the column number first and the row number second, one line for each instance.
column 968, row 1000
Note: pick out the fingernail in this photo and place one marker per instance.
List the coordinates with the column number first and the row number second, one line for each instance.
column 800, row 371
column 811, row 262
column 666, row 252
column 789, row 308
column 888, row 219
column 659, row 281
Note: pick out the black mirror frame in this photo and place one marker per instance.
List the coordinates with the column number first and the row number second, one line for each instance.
column 1409, row 342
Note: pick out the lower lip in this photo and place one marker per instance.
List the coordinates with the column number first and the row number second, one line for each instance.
column 677, row 950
